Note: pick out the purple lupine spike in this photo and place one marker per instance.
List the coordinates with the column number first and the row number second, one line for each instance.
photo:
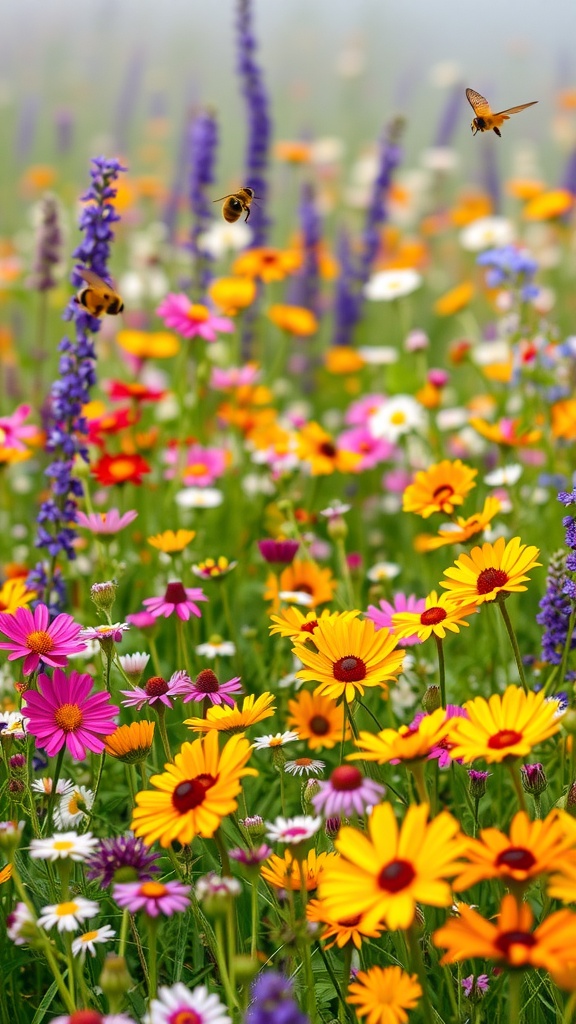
column 272, row 1001
column 203, row 143
column 347, row 296
column 555, row 610
column 259, row 124
column 66, row 427
column 48, row 252
column 304, row 287
column 449, row 117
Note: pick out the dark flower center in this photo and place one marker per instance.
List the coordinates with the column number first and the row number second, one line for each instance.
column 345, row 778
column 517, row 857
column 328, row 449
column 489, row 579
column 303, row 588
column 508, row 939
column 190, row 793
column 432, row 616
column 309, row 627
column 350, row 922
column 207, row 681
column 175, row 593
column 156, row 686
column 85, row 1017
column 504, row 738
column 443, row 493
column 397, row 875
column 349, row 669
column 319, row 725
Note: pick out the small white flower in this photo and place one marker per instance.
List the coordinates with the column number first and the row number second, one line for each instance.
column 222, row 238
column 62, row 846
column 270, row 742
column 181, row 1003
column 506, row 476
column 20, row 921
column 69, row 915
column 44, row 786
column 392, row 284
column 489, row 352
column 293, row 830
column 12, row 724
column 134, row 664
column 304, row 766
column 440, row 158
column 73, row 807
column 453, row 418
column 89, row 940
column 217, row 648
column 487, row 232
column 335, row 509
column 396, row 417
column 382, row 571
column 199, row 497
column 296, row 597
column 378, row 355
column 213, row 885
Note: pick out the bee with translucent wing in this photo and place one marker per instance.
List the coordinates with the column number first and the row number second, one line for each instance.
column 484, row 120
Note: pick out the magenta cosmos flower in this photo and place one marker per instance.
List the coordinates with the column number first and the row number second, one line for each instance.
column 62, row 713
column 153, row 897
column 158, row 688
column 192, row 320
column 372, row 449
column 346, row 792
column 106, row 523
column 13, row 432
column 178, row 599
column 202, row 467
column 33, row 637
column 382, row 616
column 207, row 685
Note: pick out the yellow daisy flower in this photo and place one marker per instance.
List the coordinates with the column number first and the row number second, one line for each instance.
column 490, row 570
column 170, row 542
column 292, row 623
column 351, row 655
column 293, row 319
column 461, row 530
column 504, row 726
column 439, row 488
column 130, row 743
column 318, row 720
column 222, row 718
column 284, row 872
column 301, row 576
column 5, row 873
column 439, row 615
column 408, row 743
column 318, row 448
column 15, row 594
column 385, row 873
column 341, row 931
column 195, row 792
column 383, row 994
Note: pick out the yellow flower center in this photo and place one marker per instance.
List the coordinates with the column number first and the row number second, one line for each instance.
column 68, row 717
column 89, row 936
column 197, row 313
column 63, row 909
column 63, row 844
column 153, row 889
column 40, row 642
column 398, row 418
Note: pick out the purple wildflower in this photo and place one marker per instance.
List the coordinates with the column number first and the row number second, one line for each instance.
column 121, row 859
column 259, row 126
column 278, row 552
column 473, row 987
column 48, row 252
column 159, row 689
column 203, row 142
column 273, row 1001
column 153, row 897
column 208, row 687
column 67, row 427
column 305, row 285
column 252, row 857
column 533, row 778
column 346, row 792
column 555, row 610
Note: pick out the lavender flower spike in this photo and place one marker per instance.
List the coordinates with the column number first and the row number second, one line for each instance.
column 48, row 252
column 203, row 142
column 66, row 427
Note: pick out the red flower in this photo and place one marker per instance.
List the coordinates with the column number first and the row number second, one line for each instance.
column 120, row 469
column 118, row 390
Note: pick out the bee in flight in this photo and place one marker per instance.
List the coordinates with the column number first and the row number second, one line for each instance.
column 484, row 120
column 98, row 296
column 237, row 203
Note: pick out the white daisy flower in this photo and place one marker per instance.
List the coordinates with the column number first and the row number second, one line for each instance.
column 222, row 238
column 180, row 1003
column 378, row 355
column 392, row 284
column 73, row 807
column 293, row 830
column 12, row 724
column 216, row 647
column 335, row 509
column 44, row 786
column 296, row 597
column 486, row 233
column 69, row 915
column 382, row 571
column 213, row 885
column 304, row 766
column 88, row 941
column 62, row 846
column 271, row 742
column 199, row 497
column 134, row 665
column 396, row 417
column 506, row 476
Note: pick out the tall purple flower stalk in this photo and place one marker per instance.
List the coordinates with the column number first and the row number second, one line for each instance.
column 273, row 1001
column 203, row 143
column 449, row 117
column 66, row 427
column 259, row 124
column 349, row 290
column 558, row 606
column 305, row 286
column 48, row 251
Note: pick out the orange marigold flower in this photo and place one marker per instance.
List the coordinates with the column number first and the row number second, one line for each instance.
column 564, row 419
column 343, row 359
column 266, row 264
column 171, row 541
column 383, row 994
column 292, row 152
column 439, row 488
column 461, row 530
column 455, row 299
column 548, row 205
column 295, row 320
column 318, row 448
column 232, row 294
column 130, row 743
column 302, row 576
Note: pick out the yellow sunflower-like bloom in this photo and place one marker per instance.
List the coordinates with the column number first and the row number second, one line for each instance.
column 505, row 432
column 408, row 743
column 490, row 570
column 195, row 793
column 507, row 725
column 383, row 994
column 532, row 848
column 171, row 541
column 302, row 576
column 15, row 594
column 439, row 488
column 461, row 530
column 292, row 623
column 318, row 448
column 293, row 319
column 130, row 743
column 350, row 928
column 5, row 873
column 351, row 655
column 221, row 718
column 510, row 941
column 439, row 615
column 285, row 873
column 318, row 720
column 384, row 874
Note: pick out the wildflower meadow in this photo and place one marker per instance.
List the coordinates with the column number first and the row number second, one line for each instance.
column 288, row 571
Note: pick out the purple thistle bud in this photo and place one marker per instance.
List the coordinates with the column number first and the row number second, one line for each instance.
column 533, row 778
column 121, row 859
column 203, row 143
column 259, row 125
column 273, row 1001
column 478, row 783
column 48, row 253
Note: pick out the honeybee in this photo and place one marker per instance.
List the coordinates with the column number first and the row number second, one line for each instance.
column 237, row 203
column 98, row 296
column 485, row 120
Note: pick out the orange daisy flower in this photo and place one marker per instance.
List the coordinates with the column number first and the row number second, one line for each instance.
column 221, row 718
column 302, row 576
column 461, row 530
column 318, row 720
column 506, row 431
column 232, row 294
column 171, row 542
column 342, row 930
column 266, row 263
column 284, row 872
column 317, row 447
column 408, row 743
column 295, row 320
column 439, row 488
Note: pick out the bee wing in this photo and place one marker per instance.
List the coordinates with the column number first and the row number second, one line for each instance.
column 516, row 110
column 479, row 104
column 92, row 279
column 229, row 196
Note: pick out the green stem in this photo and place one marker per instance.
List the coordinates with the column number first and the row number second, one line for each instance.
column 224, row 859
column 513, row 641
column 570, row 1009
column 161, row 712
column 514, row 996
column 152, row 958
column 418, row 966
column 88, row 816
column 515, row 774
column 305, row 947
column 348, row 948
column 255, row 919
column 441, row 669
column 417, row 770
column 219, row 947
column 124, row 932
column 330, row 971
column 52, row 797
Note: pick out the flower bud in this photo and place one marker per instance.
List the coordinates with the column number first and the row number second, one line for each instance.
column 10, row 836
column 533, row 778
column 478, row 783
column 332, row 827
column 571, row 800
column 215, row 893
column 569, row 721
column 337, row 528
column 17, row 790
column 309, row 790
column 254, row 827
column 432, row 699
column 17, row 764
column 104, row 594
column 115, row 981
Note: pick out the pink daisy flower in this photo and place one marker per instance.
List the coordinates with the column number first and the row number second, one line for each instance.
column 13, row 433
column 358, row 413
column 33, row 637
column 208, row 686
column 177, row 599
column 234, row 376
column 202, row 467
column 192, row 320
column 142, row 620
column 372, row 449
column 62, row 713
column 382, row 616
column 153, row 898
column 441, row 752
column 106, row 523
column 158, row 688
column 346, row 792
